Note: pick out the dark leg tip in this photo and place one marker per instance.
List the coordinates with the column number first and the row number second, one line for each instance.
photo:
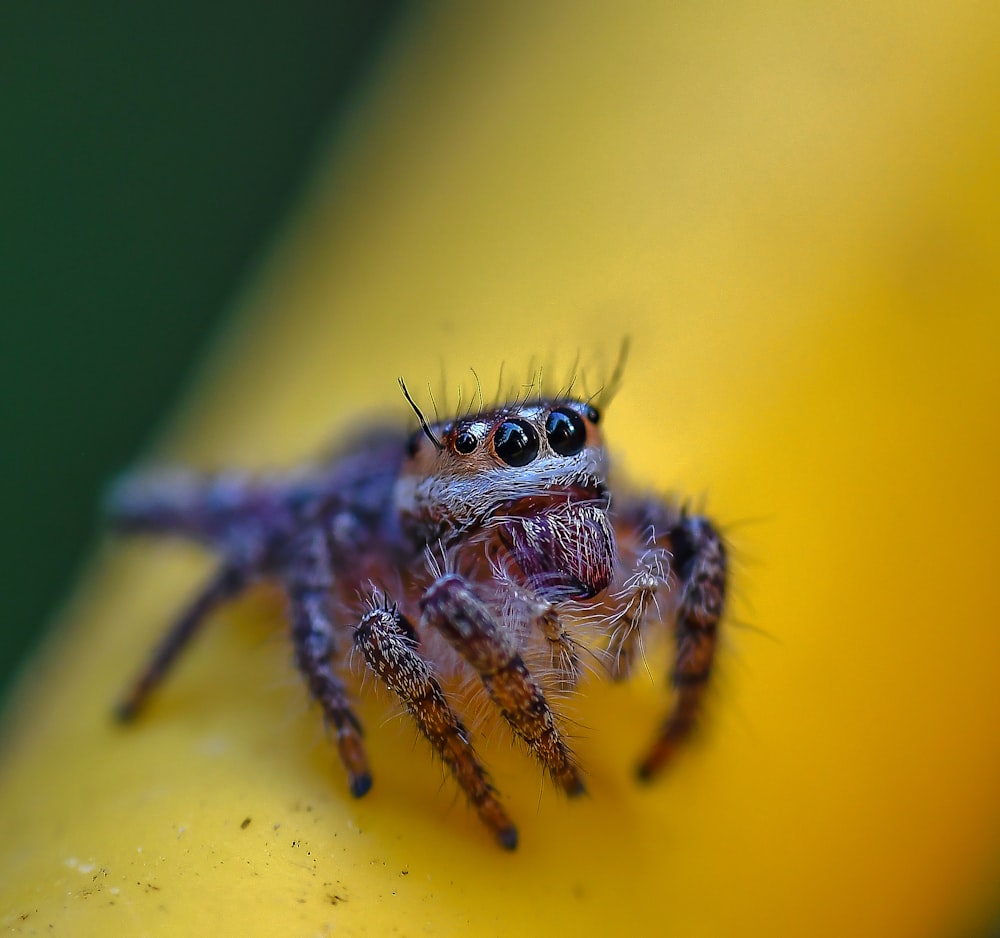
column 125, row 711
column 361, row 785
column 507, row 838
column 647, row 771
column 576, row 788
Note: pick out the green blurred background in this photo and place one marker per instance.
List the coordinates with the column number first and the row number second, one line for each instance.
column 147, row 152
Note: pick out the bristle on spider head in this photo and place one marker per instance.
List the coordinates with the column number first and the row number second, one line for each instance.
column 462, row 402
column 424, row 425
column 610, row 388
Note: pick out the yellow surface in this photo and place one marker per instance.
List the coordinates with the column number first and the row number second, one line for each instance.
column 792, row 209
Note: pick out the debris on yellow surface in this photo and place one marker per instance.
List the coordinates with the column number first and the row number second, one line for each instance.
column 793, row 212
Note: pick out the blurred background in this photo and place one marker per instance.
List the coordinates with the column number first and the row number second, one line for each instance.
column 148, row 154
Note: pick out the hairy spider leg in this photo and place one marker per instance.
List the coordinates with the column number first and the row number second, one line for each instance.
column 625, row 640
column 204, row 507
column 543, row 615
column 227, row 583
column 638, row 603
column 309, row 580
column 564, row 657
column 699, row 558
column 389, row 644
column 450, row 606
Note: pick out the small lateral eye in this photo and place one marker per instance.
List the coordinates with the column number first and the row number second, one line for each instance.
column 593, row 414
column 516, row 442
column 465, row 442
column 566, row 431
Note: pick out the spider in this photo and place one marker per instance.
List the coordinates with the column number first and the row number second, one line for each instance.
column 484, row 543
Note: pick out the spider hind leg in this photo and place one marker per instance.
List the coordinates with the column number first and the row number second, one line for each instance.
column 227, row 583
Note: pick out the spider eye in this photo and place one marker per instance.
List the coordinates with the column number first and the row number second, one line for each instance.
column 593, row 414
column 516, row 442
column 465, row 442
column 566, row 431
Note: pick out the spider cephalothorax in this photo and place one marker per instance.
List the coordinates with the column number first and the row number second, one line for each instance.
column 495, row 531
column 532, row 478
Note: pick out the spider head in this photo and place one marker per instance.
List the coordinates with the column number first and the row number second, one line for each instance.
column 514, row 459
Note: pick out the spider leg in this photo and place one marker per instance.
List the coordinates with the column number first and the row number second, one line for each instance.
column 182, row 502
column 228, row 582
column 308, row 581
column 473, row 631
column 543, row 615
column 699, row 571
column 244, row 516
column 388, row 642
column 564, row 656
column 637, row 600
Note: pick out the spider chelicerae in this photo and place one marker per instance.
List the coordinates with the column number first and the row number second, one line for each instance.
column 480, row 543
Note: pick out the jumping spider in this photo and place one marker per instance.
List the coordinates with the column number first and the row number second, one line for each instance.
column 480, row 543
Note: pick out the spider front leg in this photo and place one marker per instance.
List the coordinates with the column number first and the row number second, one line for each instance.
column 698, row 572
column 450, row 606
column 308, row 581
column 389, row 644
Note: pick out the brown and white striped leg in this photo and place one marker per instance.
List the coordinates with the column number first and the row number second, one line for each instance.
column 389, row 644
column 315, row 652
column 450, row 606
column 309, row 581
column 699, row 559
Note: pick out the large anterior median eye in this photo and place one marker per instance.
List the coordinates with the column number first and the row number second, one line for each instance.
column 566, row 431
column 516, row 442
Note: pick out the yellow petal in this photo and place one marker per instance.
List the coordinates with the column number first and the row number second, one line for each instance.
column 793, row 212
